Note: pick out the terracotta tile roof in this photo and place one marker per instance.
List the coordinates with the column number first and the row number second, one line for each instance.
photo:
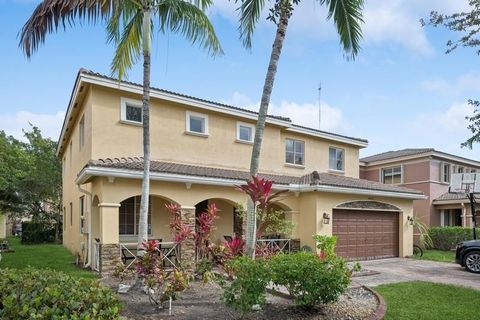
column 96, row 74
column 313, row 179
column 453, row 197
column 396, row 154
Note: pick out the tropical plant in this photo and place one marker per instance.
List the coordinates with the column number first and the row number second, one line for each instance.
column 424, row 238
column 467, row 23
column 261, row 195
column 326, row 245
column 310, row 279
column 347, row 17
column 205, row 226
column 179, row 231
column 129, row 28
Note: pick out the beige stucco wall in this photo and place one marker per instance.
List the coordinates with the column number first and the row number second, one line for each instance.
column 169, row 141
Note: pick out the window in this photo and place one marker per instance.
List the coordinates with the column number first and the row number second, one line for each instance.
column 70, row 153
column 245, row 132
column 473, row 170
column 445, row 172
column 295, row 152
column 82, row 213
column 64, row 218
column 392, row 175
column 71, row 214
column 130, row 216
column 81, row 132
column 131, row 111
column 460, row 169
column 336, row 159
column 451, row 217
column 197, row 123
column 64, row 164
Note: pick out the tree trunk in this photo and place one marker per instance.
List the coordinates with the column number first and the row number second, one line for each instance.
column 262, row 116
column 143, row 223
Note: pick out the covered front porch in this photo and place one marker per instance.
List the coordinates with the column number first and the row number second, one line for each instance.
column 454, row 210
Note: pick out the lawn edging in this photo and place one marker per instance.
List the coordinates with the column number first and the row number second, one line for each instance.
column 381, row 310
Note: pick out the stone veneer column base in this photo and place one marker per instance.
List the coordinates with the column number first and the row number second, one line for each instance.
column 188, row 245
column 109, row 257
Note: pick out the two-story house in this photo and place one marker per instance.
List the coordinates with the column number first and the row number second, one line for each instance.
column 200, row 151
column 429, row 171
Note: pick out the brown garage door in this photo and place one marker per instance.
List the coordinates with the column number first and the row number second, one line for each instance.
column 366, row 234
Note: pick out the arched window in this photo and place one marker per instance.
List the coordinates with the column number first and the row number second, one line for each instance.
column 130, row 216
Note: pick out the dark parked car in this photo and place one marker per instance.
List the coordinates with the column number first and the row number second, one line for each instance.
column 468, row 255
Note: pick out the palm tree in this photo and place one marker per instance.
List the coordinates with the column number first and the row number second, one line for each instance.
column 347, row 17
column 129, row 26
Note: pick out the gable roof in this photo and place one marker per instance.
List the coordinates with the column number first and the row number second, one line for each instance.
column 416, row 153
column 88, row 76
column 313, row 179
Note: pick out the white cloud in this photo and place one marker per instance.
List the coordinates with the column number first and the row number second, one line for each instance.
column 464, row 83
column 305, row 114
column 49, row 124
column 392, row 21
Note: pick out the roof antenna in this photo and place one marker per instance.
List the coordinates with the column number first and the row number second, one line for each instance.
column 319, row 106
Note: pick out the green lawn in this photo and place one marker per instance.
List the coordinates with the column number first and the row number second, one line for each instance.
column 438, row 255
column 52, row 256
column 425, row 301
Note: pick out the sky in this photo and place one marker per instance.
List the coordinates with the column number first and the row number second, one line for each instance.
column 402, row 90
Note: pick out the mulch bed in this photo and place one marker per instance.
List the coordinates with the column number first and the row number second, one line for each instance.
column 202, row 301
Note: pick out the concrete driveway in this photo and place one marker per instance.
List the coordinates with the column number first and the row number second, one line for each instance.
column 399, row 269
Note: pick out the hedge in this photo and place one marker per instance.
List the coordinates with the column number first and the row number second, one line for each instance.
column 446, row 238
column 46, row 294
column 35, row 232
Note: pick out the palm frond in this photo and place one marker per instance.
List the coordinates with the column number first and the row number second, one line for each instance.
column 190, row 21
column 52, row 14
column 347, row 16
column 128, row 46
column 250, row 11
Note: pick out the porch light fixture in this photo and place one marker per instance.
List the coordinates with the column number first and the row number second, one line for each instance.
column 410, row 220
column 326, row 218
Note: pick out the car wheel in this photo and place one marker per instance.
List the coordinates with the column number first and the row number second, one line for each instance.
column 472, row 261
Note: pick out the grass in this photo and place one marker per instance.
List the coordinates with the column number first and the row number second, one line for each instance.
column 41, row 256
column 437, row 255
column 425, row 300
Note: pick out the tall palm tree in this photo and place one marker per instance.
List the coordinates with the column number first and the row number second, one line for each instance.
column 347, row 17
column 129, row 27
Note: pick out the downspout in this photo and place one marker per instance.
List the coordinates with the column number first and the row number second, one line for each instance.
column 89, row 254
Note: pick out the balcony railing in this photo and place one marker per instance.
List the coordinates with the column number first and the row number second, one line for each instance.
column 169, row 253
column 274, row 245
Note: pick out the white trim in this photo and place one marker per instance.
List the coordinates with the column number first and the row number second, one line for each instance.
column 248, row 125
column 444, row 202
column 203, row 116
column 329, row 136
column 108, row 204
column 123, row 110
column 88, row 172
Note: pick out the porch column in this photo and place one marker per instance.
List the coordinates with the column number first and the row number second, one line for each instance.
column 188, row 246
column 109, row 236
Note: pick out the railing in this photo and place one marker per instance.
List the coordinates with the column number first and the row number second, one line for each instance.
column 274, row 245
column 169, row 253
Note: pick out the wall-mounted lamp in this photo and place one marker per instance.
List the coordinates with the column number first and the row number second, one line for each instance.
column 410, row 220
column 326, row 218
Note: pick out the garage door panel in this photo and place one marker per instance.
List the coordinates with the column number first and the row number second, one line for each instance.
column 366, row 234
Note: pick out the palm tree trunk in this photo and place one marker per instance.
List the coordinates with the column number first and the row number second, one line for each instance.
column 143, row 223
column 262, row 116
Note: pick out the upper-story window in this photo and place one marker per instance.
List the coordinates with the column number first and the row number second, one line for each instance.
column 336, row 159
column 245, row 132
column 446, row 172
column 295, row 152
column 197, row 123
column 473, row 170
column 70, row 154
column 81, row 132
column 392, row 175
column 131, row 111
column 460, row 169
column 82, row 214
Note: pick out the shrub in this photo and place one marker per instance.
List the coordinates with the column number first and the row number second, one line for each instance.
column 249, row 285
column 326, row 245
column 36, row 232
column 309, row 278
column 46, row 294
column 446, row 238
